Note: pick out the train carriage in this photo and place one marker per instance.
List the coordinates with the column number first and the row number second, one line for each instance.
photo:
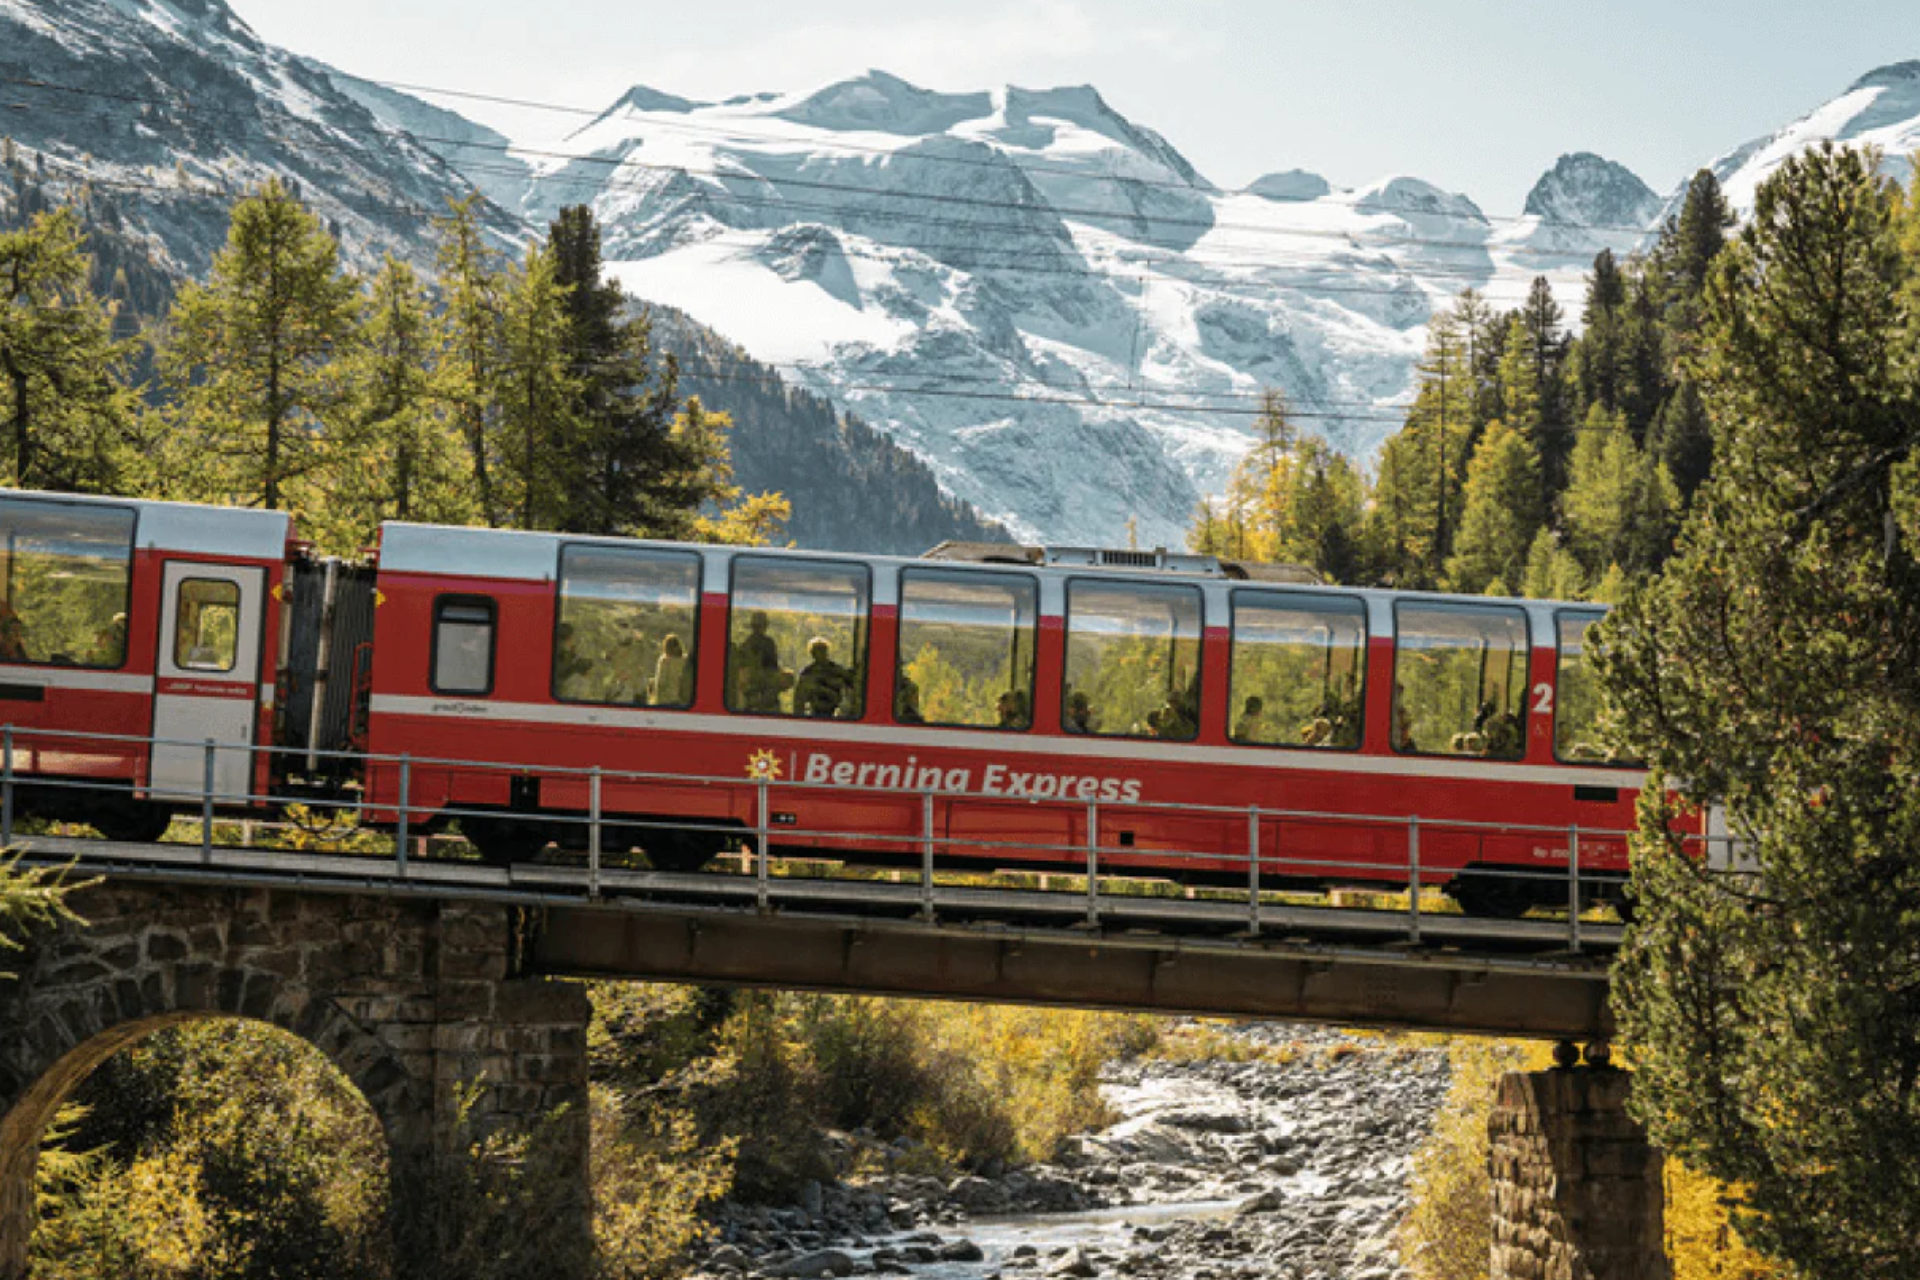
column 1009, row 705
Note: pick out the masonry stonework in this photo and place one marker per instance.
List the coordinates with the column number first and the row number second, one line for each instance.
column 418, row 1003
column 1576, row 1186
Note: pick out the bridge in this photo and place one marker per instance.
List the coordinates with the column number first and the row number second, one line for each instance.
column 421, row 976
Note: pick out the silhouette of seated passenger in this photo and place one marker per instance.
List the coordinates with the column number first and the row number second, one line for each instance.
column 823, row 686
column 1253, row 725
column 906, row 703
column 757, row 671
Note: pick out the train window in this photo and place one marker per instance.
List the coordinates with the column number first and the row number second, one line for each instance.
column 64, row 582
column 1576, row 712
column 463, row 628
column 624, row 629
column 1133, row 660
column 1460, row 680
column 1299, row 664
column 966, row 649
column 206, row 624
column 797, row 638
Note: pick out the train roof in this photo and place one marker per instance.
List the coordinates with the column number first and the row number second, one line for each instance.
column 191, row 527
column 522, row 555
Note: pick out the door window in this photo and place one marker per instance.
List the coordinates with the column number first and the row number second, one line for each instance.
column 206, row 626
column 463, row 645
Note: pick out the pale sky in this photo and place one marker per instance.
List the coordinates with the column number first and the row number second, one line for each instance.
column 1477, row 96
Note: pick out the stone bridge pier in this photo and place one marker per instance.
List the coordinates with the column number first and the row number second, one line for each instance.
column 1577, row 1191
column 417, row 1003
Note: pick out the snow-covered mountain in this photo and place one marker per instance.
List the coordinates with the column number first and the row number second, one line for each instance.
column 167, row 109
column 1880, row 109
column 1039, row 296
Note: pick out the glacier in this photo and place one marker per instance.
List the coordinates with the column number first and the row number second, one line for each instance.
column 1042, row 299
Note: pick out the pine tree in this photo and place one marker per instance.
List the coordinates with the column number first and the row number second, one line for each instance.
column 1502, row 514
column 1600, row 361
column 1547, row 347
column 1774, row 668
column 1520, row 383
column 470, row 360
column 637, row 473
column 1484, row 332
column 249, row 355
column 1688, row 246
column 68, row 414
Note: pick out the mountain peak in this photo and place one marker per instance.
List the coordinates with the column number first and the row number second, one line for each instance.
column 1894, row 73
column 885, row 103
column 1586, row 190
column 1291, row 185
column 643, row 98
column 1402, row 194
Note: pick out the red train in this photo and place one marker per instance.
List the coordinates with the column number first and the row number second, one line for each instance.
column 998, row 700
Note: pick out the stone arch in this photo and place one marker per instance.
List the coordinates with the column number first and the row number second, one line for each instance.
column 88, row 993
column 414, row 1000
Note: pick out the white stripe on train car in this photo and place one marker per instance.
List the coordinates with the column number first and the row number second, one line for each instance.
column 76, row 678
column 1091, row 749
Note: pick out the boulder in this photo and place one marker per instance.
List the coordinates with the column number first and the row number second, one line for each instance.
column 812, row 1266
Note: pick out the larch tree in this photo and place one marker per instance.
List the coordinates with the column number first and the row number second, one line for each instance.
column 469, row 363
column 543, row 465
column 1417, row 496
column 1501, row 516
column 399, row 454
column 1552, row 573
column 250, row 357
column 1773, row 668
column 1620, row 505
column 69, row 417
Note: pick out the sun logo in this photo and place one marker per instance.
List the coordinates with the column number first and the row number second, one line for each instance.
column 763, row 766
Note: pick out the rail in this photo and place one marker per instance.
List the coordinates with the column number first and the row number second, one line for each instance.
column 1109, row 885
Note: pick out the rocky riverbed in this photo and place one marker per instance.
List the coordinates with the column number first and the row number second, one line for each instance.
column 1290, row 1164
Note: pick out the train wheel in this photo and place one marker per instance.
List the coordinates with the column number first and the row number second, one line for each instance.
column 1483, row 895
column 505, row 839
column 133, row 821
column 682, row 850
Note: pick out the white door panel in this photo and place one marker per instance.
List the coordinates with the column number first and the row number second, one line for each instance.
column 207, row 685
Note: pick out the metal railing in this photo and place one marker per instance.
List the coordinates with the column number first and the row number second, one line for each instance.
column 1261, row 870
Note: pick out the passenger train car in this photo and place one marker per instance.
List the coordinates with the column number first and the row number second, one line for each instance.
column 1007, row 703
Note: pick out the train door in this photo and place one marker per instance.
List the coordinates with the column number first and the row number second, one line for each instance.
column 208, row 686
